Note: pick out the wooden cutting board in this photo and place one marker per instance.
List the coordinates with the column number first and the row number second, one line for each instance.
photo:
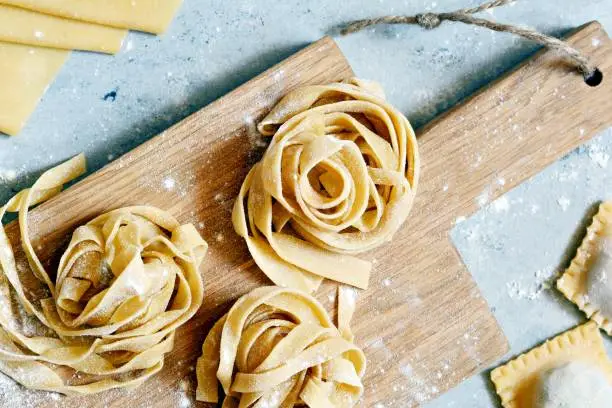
column 423, row 324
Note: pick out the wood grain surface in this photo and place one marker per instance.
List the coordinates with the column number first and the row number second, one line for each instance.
column 423, row 324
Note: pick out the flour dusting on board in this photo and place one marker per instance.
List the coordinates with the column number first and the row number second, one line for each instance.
column 460, row 219
column 184, row 401
column 485, row 196
column 420, row 389
column 422, row 393
column 256, row 140
column 13, row 395
column 269, row 97
column 169, row 183
column 419, row 378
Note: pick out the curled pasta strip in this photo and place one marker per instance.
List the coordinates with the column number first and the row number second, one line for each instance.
column 338, row 179
column 277, row 347
column 126, row 282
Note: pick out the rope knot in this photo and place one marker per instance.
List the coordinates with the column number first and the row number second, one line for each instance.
column 428, row 21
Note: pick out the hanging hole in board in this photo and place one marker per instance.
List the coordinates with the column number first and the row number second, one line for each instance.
column 595, row 78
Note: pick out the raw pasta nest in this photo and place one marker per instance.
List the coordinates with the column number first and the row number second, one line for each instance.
column 277, row 347
column 126, row 282
column 338, row 179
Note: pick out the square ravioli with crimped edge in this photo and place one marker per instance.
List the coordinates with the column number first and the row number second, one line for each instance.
column 576, row 282
column 516, row 381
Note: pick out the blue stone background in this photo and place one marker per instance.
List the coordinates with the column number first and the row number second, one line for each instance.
column 513, row 247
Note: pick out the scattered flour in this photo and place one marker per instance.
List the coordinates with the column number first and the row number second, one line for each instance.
column 256, row 140
column 565, row 176
column 533, row 290
column 406, row 370
column 279, row 75
column 459, row 219
column 12, row 395
column 502, row 204
column 350, row 296
column 483, row 198
column 184, row 401
column 169, row 183
column 8, row 175
column 564, row 203
column 423, row 391
column 599, row 156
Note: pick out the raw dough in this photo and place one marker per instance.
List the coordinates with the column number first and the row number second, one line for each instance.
column 586, row 282
column 278, row 348
column 599, row 283
column 518, row 382
column 25, row 74
column 128, row 279
column 30, row 28
column 338, row 179
column 573, row 385
column 152, row 16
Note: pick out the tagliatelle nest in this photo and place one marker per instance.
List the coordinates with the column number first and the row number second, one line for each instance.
column 277, row 347
column 338, row 179
column 126, row 282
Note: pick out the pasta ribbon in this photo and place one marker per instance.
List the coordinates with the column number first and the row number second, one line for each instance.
column 277, row 347
column 127, row 280
column 338, row 179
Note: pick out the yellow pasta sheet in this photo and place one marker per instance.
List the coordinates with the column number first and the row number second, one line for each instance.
column 25, row 74
column 23, row 26
column 151, row 16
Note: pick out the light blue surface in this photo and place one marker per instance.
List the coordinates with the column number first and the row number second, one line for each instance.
column 516, row 246
column 511, row 247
